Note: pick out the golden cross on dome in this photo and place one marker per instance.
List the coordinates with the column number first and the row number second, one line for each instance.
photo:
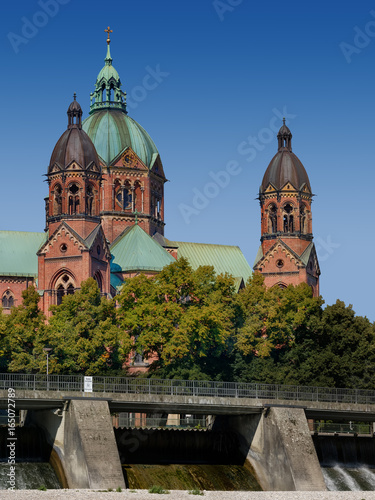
column 108, row 31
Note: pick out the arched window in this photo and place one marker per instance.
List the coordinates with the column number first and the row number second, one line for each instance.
column 137, row 202
column 98, row 279
column 57, row 200
column 111, row 92
column 60, row 294
column 124, row 197
column 288, row 218
column 64, row 286
column 272, row 219
column 303, row 219
column 89, row 200
column 73, row 199
column 7, row 300
column 159, row 208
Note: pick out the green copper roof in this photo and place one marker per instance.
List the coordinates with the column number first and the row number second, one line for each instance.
column 108, row 93
column 116, row 282
column 108, row 71
column 112, row 131
column 259, row 255
column 224, row 258
column 18, row 253
column 135, row 250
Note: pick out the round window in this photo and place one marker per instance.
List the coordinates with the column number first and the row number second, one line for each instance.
column 280, row 263
column 63, row 248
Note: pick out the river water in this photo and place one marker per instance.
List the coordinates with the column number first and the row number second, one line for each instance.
column 30, row 475
column 348, row 462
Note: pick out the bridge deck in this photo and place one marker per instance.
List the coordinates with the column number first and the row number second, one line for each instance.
column 206, row 405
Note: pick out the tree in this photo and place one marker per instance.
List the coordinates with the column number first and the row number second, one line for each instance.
column 274, row 317
column 25, row 329
column 84, row 334
column 180, row 317
column 344, row 350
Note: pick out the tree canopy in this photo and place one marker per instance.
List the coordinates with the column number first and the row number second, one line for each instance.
column 192, row 324
column 180, row 316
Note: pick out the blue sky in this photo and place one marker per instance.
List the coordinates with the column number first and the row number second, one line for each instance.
column 223, row 73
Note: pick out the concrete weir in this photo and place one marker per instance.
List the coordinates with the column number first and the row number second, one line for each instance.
column 83, row 438
column 278, row 445
column 276, row 442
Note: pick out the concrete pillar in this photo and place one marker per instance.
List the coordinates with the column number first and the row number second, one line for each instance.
column 82, row 436
column 91, row 455
column 279, row 447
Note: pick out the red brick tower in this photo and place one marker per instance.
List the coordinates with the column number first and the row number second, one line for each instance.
column 76, row 247
column 287, row 253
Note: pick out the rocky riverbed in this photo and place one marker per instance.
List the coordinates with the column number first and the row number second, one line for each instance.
column 177, row 494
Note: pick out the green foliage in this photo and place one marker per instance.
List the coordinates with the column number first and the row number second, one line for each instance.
column 341, row 353
column 194, row 326
column 25, row 330
column 181, row 315
column 196, row 492
column 274, row 318
column 84, row 334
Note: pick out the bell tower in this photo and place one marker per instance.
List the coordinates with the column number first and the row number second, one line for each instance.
column 76, row 247
column 287, row 253
column 74, row 178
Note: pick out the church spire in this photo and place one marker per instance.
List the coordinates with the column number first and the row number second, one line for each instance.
column 74, row 114
column 108, row 59
column 284, row 138
column 108, row 93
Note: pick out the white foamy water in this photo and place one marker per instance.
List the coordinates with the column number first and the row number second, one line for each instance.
column 339, row 478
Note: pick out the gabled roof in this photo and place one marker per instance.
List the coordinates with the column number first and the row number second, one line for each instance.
column 18, row 253
column 224, row 258
column 86, row 243
column 259, row 255
column 306, row 253
column 135, row 250
column 310, row 254
column 278, row 242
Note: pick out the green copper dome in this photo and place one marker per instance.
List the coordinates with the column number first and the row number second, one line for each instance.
column 112, row 131
column 108, row 125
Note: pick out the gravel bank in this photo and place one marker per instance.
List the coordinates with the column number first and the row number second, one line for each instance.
column 175, row 494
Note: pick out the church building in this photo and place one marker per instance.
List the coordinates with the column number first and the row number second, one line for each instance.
column 104, row 210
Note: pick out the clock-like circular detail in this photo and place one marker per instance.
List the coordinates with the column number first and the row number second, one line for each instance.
column 128, row 159
column 280, row 263
column 63, row 248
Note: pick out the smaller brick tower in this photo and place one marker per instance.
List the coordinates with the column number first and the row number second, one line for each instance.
column 76, row 247
column 287, row 253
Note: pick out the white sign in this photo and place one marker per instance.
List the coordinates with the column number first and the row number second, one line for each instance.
column 88, row 384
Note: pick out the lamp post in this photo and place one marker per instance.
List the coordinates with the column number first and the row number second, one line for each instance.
column 47, row 350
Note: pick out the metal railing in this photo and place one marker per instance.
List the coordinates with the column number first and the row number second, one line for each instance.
column 132, row 420
column 348, row 428
column 127, row 385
